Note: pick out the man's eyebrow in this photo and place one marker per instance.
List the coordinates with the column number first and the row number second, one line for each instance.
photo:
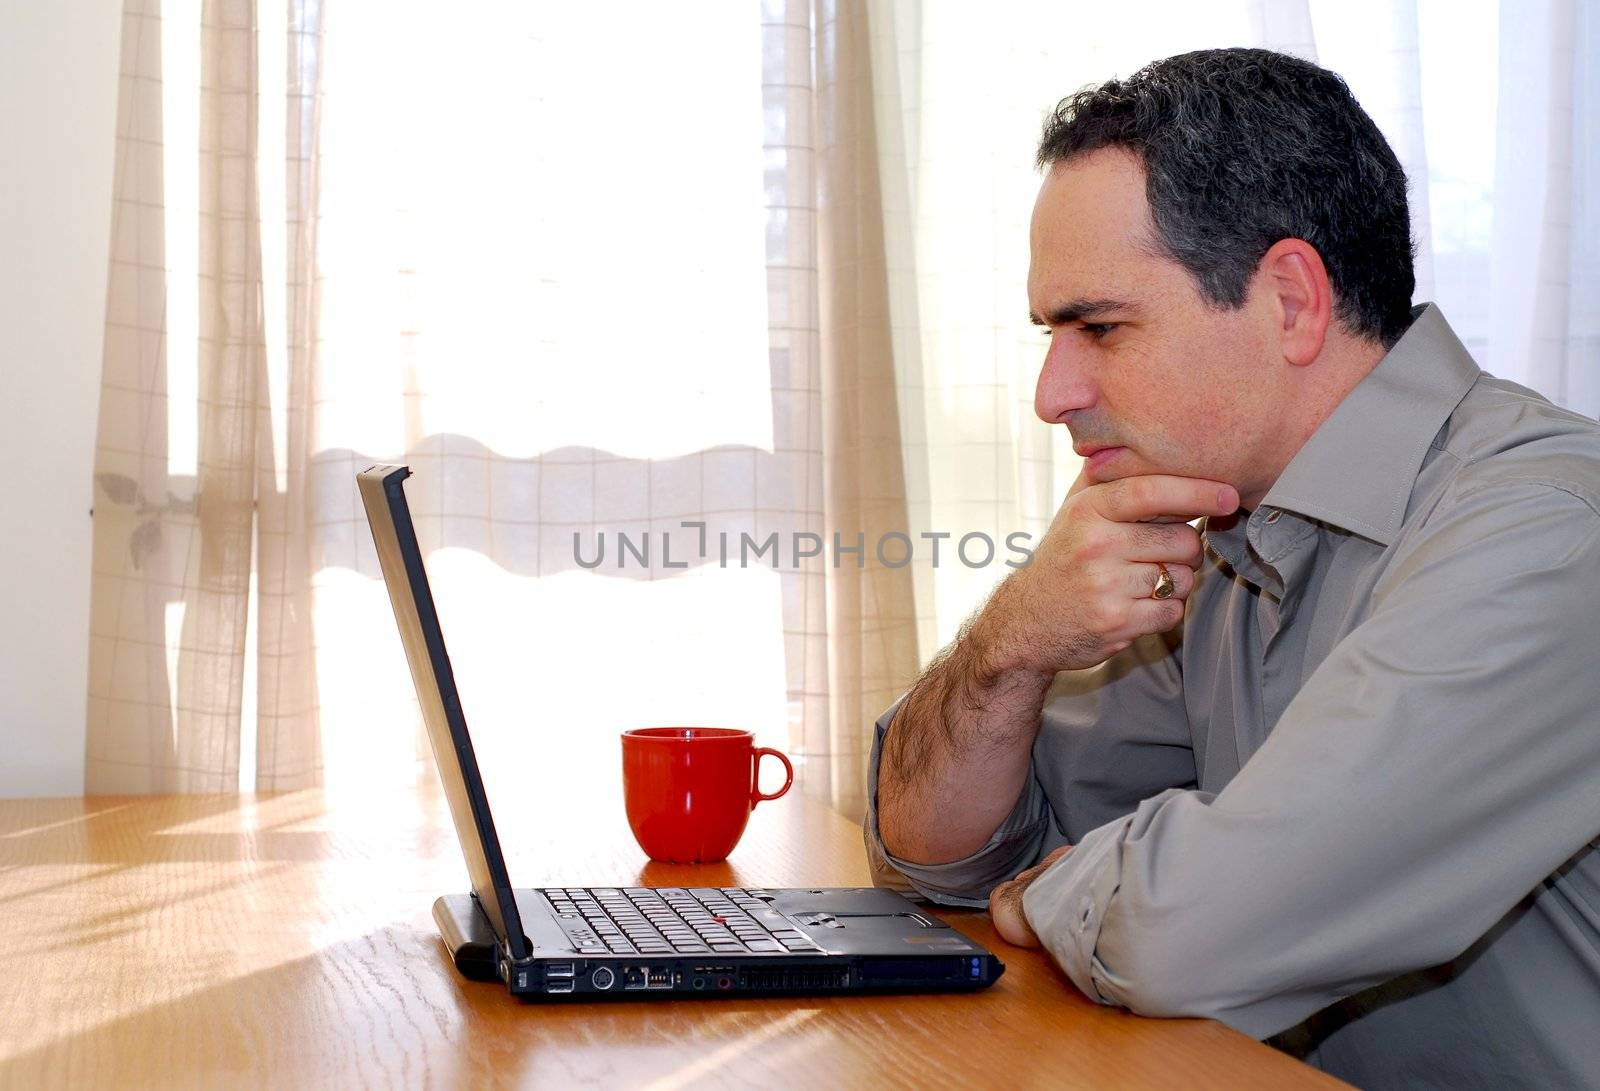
column 1079, row 310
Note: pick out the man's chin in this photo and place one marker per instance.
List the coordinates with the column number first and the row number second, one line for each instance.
column 1119, row 463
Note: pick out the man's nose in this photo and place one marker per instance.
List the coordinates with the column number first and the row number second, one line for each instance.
column 1064, row 385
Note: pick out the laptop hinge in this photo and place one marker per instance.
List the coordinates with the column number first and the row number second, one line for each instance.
column 468, row 936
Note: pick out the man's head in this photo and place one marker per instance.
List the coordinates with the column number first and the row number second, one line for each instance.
column 1249, row 222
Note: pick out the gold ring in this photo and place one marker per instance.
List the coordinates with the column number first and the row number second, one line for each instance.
column 1164, row 585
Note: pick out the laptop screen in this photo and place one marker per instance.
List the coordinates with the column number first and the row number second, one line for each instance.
column 383, row 494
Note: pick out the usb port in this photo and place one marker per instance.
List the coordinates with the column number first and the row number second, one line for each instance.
column 559, row 969
column 563, row 986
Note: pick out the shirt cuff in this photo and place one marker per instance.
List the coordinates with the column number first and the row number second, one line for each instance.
column 1066, row 904
column 1012, row 847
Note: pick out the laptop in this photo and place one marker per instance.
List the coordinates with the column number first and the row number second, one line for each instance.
column 624, row 943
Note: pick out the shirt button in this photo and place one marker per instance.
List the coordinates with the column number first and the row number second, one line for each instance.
column 1085, row 911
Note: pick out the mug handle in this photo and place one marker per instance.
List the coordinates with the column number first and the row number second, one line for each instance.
column 756, row 795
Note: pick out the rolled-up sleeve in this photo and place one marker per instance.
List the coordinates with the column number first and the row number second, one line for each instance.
column 1014, row 845
column 1438, row 764
column 1108, row 737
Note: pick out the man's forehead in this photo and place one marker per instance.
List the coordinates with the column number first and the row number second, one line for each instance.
column 1091, row 229
column 1104, row 187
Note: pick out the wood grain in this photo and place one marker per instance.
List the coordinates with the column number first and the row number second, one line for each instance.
column 285, row 940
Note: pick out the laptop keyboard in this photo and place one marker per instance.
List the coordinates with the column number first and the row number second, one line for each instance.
column 673, row 920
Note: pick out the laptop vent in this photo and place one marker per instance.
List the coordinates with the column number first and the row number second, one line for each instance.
column 797, row 980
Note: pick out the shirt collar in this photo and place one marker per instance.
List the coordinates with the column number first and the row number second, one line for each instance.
column 1357, row 469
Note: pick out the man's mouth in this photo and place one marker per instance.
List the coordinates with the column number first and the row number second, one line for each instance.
column 1096, row 455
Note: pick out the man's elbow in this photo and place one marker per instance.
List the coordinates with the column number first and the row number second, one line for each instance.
column 910, row 833
column 896, row 835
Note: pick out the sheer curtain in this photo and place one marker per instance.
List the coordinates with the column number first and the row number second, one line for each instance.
column 201, row 513
column 730, row 281
column 571, row 279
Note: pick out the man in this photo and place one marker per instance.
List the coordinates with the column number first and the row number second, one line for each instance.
column 1327, row 769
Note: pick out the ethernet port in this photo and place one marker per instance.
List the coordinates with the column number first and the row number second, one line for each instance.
column 647, row 977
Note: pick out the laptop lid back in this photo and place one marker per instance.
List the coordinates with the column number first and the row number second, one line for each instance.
column 383, row 494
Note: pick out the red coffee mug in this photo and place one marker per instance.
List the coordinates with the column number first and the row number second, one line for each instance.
column 690, row 790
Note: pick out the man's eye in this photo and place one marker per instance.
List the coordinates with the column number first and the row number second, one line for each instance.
column 1096, row 330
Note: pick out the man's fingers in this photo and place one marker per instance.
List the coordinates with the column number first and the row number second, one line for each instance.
column 1026, row 877
column 1142, row 580
column 1051, row 857
column 1168, row 543
column 1005, row 903
column 1149, row 496
column 1156, row 615
column 1005, row 909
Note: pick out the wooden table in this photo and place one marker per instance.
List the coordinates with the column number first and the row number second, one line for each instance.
column 285, row 941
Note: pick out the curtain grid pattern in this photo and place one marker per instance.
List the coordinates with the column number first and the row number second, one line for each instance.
column 736, row 274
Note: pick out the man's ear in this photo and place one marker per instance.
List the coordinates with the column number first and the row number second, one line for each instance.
column 1296, row 282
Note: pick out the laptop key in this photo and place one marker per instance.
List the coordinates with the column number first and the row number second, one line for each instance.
column 727, row 948
column 765, row 945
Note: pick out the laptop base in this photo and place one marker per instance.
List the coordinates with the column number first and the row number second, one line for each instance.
column 944, row 961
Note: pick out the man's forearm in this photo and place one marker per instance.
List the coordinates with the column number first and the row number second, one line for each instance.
column 957, row 755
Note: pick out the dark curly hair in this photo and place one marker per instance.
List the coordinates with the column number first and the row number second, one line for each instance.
column 1244, row 147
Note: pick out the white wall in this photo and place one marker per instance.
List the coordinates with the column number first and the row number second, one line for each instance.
column 58, row 104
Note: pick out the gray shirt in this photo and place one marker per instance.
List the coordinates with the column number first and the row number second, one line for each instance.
column 1355, row 803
